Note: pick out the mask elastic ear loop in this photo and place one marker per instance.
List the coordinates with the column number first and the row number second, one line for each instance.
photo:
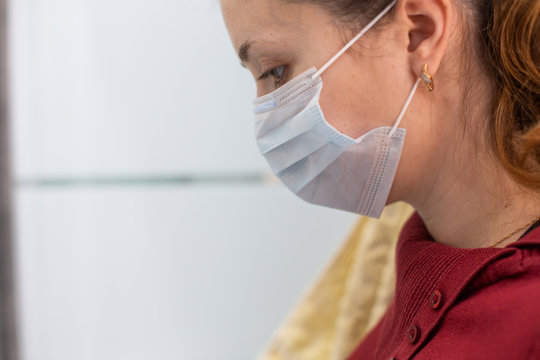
column 355, row 39
column 402, row 114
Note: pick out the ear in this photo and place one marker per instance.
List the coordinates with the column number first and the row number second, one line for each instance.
column 428, row 25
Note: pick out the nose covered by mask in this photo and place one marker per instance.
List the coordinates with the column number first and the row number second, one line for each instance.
column 315, row 161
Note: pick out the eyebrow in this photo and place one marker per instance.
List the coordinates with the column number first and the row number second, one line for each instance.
column 243, row 52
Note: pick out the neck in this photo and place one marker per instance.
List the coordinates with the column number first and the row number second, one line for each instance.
column 469, row 200
column 467, row 216
column 474, row 202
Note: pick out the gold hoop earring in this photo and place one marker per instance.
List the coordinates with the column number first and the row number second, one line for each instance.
column 428, row 80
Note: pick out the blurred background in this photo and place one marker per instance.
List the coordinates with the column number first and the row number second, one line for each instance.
column 145, row 223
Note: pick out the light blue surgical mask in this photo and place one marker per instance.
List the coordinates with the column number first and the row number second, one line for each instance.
column 317, row 162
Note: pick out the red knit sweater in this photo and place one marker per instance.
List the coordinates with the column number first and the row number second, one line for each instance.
column 459, row 303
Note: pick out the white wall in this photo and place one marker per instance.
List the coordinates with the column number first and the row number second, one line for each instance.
column 139, row 91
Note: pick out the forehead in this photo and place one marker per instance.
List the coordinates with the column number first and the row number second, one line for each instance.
column 267, row 20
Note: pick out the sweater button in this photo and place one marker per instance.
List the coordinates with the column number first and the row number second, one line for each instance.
column 436, row 300
column 413, row 334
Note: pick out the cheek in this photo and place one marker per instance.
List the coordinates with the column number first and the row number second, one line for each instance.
column 356, row 104
column 350, row 105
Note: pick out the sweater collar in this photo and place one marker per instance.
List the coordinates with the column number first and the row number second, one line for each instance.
column 425, row 267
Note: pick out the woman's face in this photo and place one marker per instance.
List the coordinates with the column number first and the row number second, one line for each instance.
column 366, row 88
column 277, row 41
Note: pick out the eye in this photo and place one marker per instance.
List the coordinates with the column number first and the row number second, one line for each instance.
column 278, row 75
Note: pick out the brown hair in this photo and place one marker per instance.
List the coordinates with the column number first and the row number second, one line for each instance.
column 511, row 37
column 508, row 32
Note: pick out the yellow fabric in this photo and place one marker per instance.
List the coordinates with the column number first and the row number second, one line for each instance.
column 348, row 298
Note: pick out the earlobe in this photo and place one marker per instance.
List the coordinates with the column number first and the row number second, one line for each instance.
column 428, row 32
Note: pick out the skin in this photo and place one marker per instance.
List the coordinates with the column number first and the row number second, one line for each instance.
column 448, row 171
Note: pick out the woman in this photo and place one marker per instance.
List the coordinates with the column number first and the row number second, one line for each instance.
column 431, row 102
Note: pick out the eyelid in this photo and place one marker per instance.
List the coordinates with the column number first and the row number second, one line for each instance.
column 264, row 75
column 268, row 73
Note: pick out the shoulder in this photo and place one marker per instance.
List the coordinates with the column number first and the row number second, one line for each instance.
column 499, row 321
column 502, row 306
column 509, row 285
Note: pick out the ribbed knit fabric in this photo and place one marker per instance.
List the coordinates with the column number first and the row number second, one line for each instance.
column 459, row 303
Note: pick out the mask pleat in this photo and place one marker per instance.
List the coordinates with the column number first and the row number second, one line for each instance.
column 287, row 131
column 304, row 171
column 271, row 119
column 295, row 150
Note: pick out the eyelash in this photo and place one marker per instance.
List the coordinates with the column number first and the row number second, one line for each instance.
column 279, row 79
